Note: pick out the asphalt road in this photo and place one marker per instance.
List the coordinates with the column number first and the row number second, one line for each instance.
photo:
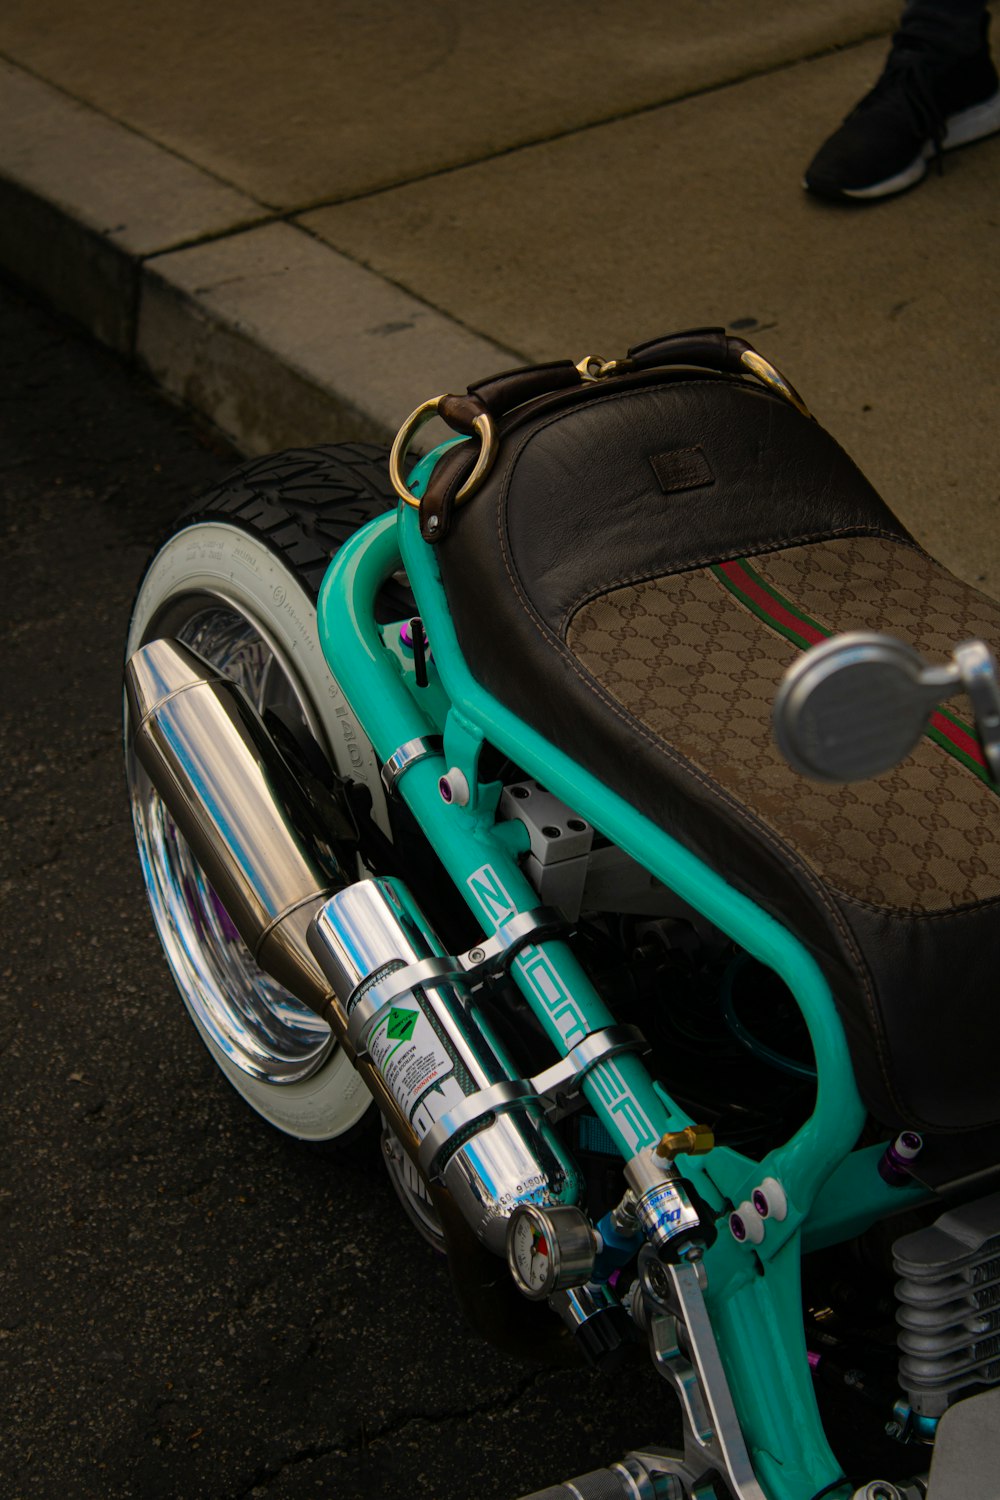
column 190, row 1305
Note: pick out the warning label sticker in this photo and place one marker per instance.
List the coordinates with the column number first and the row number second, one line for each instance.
column 401, row 1024
column 414, row 1063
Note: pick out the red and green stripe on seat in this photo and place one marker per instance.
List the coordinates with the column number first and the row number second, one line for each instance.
column 762, row 599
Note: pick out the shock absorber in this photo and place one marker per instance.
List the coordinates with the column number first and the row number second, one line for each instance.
column 409, row 1013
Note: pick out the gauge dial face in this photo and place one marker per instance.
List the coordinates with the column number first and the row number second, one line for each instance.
column 530, row 1253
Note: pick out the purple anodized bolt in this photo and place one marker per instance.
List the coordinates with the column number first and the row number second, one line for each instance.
column 444, row 787
column 759, row 1200
column 737, row 1228
column 896, row 1162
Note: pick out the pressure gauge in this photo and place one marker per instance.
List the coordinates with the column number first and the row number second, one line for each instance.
column 549, row 1248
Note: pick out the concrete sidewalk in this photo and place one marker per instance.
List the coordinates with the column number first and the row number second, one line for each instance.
column 305, row 219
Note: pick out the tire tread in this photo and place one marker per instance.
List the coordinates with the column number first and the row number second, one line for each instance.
column 304, row 503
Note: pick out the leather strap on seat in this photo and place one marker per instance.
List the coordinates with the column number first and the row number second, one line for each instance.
column 501, row 395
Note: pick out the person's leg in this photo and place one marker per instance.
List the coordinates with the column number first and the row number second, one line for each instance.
column 938, row 90
column 950, row 25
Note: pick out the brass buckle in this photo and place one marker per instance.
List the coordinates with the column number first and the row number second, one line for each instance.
column 765, row 372
column 593, row 368
column 404, row 437
column 596, row 367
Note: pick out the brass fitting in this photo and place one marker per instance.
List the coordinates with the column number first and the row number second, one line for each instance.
column 693, row 1140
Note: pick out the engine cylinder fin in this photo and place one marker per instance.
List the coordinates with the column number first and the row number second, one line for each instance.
column 948, row 1295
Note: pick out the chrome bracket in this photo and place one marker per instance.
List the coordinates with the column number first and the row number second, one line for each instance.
column 496, row 954
column 563, row 1079
column 713, row 1439
column 430, row 973
column 407, row 755
column 492, row 956
column 549, row 1090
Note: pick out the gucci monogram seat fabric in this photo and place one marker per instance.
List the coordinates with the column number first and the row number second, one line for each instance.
column 654, row 559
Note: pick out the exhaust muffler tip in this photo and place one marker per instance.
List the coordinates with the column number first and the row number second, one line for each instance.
column 155, row 673
column 233, row 797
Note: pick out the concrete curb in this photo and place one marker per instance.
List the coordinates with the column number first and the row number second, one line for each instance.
column 280, row 339
column 84, row 201
column 272, row 335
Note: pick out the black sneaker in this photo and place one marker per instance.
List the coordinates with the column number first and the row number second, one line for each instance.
column 925, row 102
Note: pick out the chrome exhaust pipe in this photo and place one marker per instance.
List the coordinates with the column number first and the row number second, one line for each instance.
column 237, row 803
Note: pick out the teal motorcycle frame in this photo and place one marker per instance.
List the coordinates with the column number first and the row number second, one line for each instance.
column 834, row 1190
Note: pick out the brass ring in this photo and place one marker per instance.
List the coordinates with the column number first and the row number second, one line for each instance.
column 483, row 425
column 773, row 378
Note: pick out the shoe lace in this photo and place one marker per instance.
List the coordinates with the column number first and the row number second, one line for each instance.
column 907, row 84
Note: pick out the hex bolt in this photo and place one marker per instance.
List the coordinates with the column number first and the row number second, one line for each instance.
column 656, row 1278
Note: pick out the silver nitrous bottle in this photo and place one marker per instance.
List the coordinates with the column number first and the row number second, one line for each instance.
column 435, row 1056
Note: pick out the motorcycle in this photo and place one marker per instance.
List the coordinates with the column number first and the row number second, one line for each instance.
column 458, row 807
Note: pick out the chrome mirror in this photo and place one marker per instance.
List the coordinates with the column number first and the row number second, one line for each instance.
column 855, row 705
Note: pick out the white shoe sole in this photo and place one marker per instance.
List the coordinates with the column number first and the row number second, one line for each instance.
column 960, row 130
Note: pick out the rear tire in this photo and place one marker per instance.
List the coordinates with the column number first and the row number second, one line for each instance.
column 237, row 580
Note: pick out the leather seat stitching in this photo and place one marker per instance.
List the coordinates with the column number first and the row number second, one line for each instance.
column 776, row 544
column 947, row 914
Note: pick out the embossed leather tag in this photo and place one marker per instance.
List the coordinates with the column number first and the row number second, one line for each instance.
column 684, row 469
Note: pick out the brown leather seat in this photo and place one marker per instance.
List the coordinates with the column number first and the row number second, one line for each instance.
column 653, row 560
